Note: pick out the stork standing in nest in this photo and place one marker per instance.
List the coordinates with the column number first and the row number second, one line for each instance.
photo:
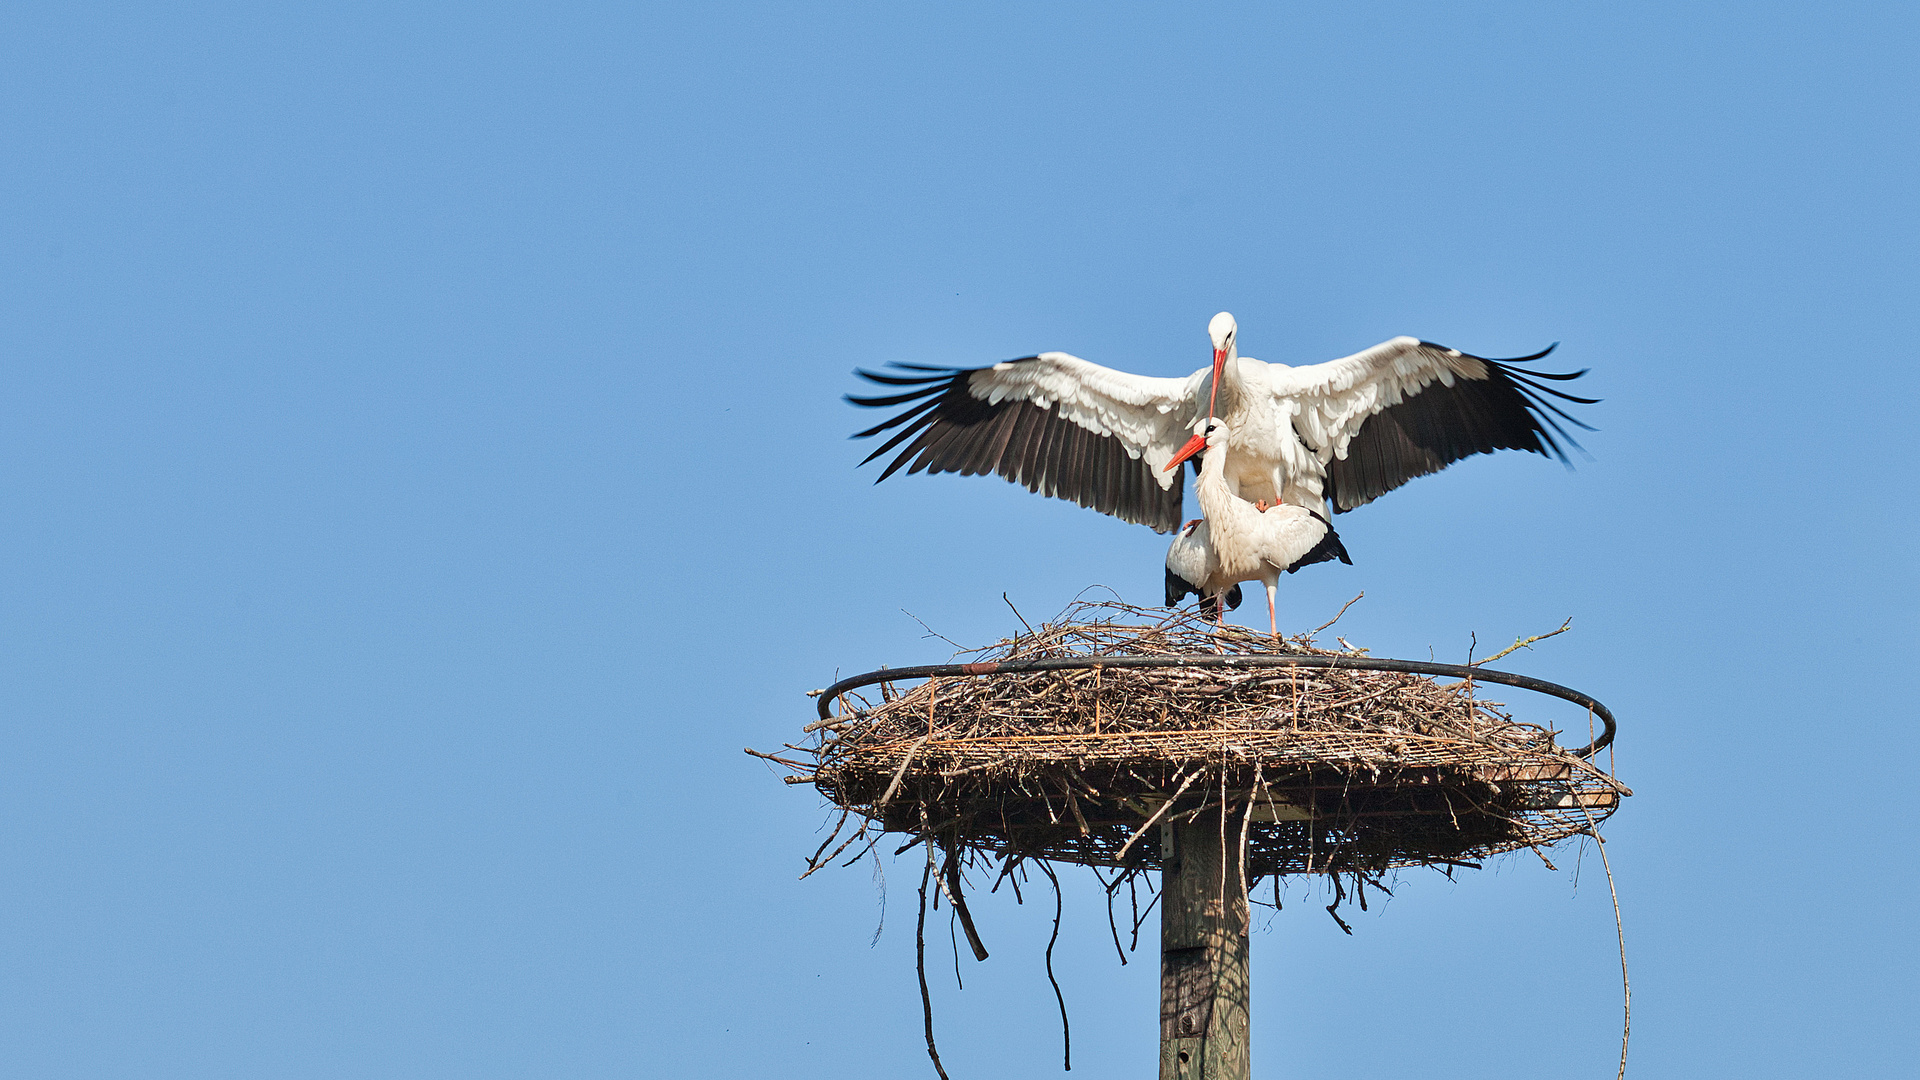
column 1245, row 541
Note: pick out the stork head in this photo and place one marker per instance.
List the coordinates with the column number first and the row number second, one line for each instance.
column 1211, row 433
column 1222, row 330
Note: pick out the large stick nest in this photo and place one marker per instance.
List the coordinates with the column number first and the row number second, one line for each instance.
column 1317, row 771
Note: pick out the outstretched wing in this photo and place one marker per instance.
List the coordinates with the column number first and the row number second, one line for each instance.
column 1055, row 424
column 1407, row 407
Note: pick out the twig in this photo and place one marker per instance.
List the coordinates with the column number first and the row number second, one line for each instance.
column 1066, row 1035
column 901, row 773
column 1141, row 919
column 1336, row 618
column 1006, row 869
column 1098, row 670
column 1133, row 899
column 931, row 632
column 1520, row 643
column 777, row 759
column 862, row 853
column 1223, row 833
column 951, row 886
column 842, row 820
column 816, row 862
column 1333, row 909
column 1157, row 814
column 1111, row 925
column 953, row 915
column 1246, row 823
column 1017, row 615
column 1361, row 698
column 1620, row 932
column 920, row 962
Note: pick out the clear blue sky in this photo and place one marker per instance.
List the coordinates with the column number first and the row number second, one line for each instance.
column 422, row 470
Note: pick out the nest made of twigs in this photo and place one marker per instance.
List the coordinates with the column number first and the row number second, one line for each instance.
column 1318, row 771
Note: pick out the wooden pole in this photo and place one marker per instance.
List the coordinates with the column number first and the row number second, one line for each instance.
column 1203, row 953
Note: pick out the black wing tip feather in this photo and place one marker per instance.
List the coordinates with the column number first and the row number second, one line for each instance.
column 894, row 399
column 1544, row 411
column 1527, row 377
column 896, row 380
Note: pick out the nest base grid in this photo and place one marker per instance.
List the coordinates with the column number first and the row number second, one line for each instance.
column 1067, row 743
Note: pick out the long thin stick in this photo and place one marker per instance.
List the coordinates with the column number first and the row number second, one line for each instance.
column 1620, row 931
column 1523, row 643
column 901, row 772
column 1017, row 615
column 1066, row 1034
column 950, row 884
column 1336, row 618
column 1246, row 826
column 1111, row 925
column 1155, row 819
column 920, row 962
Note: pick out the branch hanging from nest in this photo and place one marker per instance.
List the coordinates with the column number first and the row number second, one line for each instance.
column 1620, row 929
column 1066, row 1033
column 920, row 962
column 951, row 886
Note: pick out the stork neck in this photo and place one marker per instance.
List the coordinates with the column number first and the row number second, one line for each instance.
column 1211, row 487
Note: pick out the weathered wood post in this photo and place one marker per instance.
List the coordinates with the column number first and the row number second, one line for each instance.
column 1203, row 954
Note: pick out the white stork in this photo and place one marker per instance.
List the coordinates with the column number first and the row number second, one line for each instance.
column 1239, row 540
column 1348, row 430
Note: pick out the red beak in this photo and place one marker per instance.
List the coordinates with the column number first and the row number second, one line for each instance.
column 1219, row 367
column 1194, row 446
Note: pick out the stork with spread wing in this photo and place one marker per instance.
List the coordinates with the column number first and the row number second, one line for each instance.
column 1346, row 431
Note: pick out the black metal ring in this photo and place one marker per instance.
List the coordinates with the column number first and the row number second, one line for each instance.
column 1233, row 660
